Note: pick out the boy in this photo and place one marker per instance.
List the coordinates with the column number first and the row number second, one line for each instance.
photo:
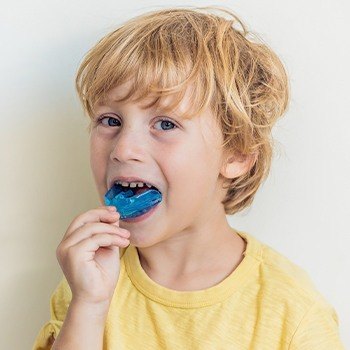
column 183, row 101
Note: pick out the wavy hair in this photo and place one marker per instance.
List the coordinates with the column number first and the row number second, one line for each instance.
column 232, row 70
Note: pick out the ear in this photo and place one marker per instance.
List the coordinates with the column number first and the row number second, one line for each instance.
column 237, row 165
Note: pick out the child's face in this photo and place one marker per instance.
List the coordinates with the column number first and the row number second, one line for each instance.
column 183, row 162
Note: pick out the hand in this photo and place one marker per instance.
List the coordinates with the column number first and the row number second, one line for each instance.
column 89, row 255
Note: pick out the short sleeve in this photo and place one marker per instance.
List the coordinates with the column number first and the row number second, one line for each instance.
column 59, row 303
column 318, row 330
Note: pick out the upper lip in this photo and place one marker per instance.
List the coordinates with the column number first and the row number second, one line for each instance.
column 131, row 179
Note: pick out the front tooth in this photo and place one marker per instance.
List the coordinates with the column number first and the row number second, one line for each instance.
column 132, row 184
column 149, row 186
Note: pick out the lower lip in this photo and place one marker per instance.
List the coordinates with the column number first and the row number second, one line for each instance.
column 143, row 216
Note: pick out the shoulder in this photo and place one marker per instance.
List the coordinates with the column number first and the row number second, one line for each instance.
column 280, row 273
column 286, row 271
column 293, row 283
column 285, row 293
column 318, row 329
column 286, row 290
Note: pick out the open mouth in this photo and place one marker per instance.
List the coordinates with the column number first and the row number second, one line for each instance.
column 135, row 190
column 133, row 201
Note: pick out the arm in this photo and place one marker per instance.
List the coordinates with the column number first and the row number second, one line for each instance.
column 83, row 327
column 93, row 273
column 89, row 257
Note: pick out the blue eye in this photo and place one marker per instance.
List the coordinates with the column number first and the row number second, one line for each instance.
column 111, row 121
column 108, row 121
column 166, row 123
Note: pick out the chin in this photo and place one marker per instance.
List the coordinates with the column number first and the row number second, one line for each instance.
column 142, row 240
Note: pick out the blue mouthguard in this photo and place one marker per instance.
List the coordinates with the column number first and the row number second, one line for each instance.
column 130, row 205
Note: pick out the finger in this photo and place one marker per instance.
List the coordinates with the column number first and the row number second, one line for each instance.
column 91, row 229
column 108, row 207
column 93, row 215
column 91, row 244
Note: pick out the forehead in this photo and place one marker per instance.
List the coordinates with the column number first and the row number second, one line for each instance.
column 182, row 108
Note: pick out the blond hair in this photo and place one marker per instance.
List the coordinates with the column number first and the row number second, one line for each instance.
column 233, row 72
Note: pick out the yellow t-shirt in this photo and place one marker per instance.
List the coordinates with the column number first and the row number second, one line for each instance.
column 266, row 303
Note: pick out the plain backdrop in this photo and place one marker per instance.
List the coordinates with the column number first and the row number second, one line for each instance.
column 302, row 210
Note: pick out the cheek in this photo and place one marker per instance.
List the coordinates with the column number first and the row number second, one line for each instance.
column 98, row 158
column 195, row 173
column 187, row 168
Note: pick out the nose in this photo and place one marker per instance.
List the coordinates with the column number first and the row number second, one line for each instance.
column 127, row 146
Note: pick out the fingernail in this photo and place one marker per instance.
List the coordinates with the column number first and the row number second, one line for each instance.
column 112, row 208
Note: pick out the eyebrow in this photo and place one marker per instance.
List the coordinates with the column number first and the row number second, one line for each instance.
column 151, row 109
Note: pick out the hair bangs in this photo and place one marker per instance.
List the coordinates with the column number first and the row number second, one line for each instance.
column 158, row 64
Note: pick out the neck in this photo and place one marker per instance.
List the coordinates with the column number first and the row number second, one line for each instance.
column 195, row 258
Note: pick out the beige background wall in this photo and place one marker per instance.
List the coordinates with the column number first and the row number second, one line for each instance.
column 45, row 179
